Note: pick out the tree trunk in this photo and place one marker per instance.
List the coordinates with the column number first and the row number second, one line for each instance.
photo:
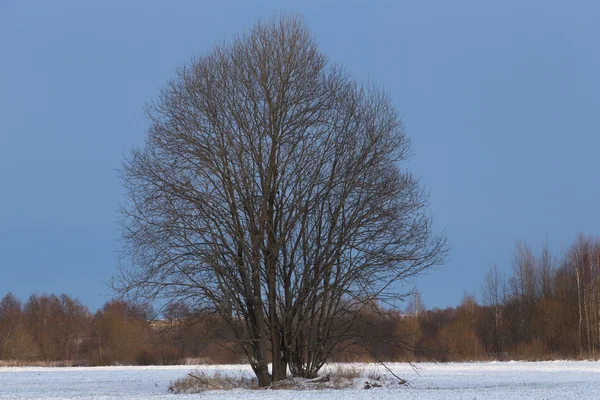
column 261, row 371
column 579, row 309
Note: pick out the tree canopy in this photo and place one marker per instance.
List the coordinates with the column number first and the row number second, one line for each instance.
column 271, row 190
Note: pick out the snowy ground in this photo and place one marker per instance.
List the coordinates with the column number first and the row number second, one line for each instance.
column 489, row 381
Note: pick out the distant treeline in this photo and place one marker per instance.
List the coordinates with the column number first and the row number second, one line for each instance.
column 59, row 330
column 547, row 308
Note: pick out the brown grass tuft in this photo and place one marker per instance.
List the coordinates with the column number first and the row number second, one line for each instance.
column 197, row 382
column 344, row 372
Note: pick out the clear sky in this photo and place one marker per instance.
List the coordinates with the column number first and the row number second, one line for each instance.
column 501, row 99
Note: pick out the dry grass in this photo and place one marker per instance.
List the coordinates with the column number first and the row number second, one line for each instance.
column 344, row 371
column 337, row 377
column 198, row 381
column 22, row 363
column 319, row 383
column 334, row 377
column 345, row 376
column 373, row 375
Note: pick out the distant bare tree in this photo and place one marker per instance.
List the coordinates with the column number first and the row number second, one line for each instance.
column 270, row 190
column 546, row 269
column 10, row 314
column 524, row 288
column 415, row 305
column 15, row 341
column 493, row 297
column 584, row 258
column 58, row 324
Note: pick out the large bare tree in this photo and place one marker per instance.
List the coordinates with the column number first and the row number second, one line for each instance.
column 271, row 189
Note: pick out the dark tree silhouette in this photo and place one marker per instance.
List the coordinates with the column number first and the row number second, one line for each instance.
column 270, row 189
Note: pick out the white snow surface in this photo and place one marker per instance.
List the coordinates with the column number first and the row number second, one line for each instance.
column 492, row 380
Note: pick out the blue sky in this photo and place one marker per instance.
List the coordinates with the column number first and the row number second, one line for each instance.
column 501, row 99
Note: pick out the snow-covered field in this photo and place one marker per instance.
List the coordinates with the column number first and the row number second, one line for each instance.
column 496, row 380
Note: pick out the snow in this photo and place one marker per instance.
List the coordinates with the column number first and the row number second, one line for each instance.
column 489, row 381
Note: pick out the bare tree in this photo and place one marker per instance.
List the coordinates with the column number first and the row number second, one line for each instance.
column 15, row 341
column 546, row 268
column 270, row 190
column 493, row 297
column 584, row 259
column 415, row 305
